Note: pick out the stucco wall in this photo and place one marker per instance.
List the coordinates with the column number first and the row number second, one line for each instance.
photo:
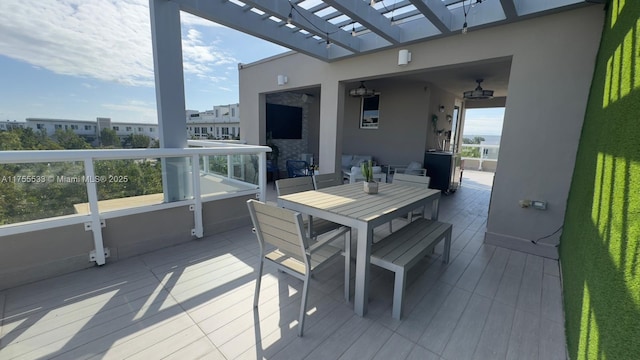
column 552, row 62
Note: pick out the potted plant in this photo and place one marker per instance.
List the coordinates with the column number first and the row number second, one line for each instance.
column 370, row 186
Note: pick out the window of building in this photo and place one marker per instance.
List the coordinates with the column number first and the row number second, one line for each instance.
column 197, row 130
column 217, row 113
column 225, row 131
column 74, row 127
column 87, row 127
column 233, row 112
column 57, row 126
column 116, row 128
column 204, row 130
column 139, row 129
column 128, row 128
column 211, row 129
column 150, row 129
column 39, row 126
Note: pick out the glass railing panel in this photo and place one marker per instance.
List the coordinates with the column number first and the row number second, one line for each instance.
column 34, row 191
column 244, row 174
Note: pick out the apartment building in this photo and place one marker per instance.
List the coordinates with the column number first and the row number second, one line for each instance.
column 222, row 122
column 90, row 130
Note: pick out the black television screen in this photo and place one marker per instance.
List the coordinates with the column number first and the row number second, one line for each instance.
column 284, row 122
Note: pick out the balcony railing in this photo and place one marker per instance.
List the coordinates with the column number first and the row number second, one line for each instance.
column 90, row 186
column 483, row 154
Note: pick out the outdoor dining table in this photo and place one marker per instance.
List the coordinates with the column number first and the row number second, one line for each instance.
column 349, row 205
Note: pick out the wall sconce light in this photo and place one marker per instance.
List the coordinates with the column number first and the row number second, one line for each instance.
column 282, row 79
column 441, row 108
column 404, row 57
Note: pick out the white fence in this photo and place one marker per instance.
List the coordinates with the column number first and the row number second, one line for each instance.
column 487, row 153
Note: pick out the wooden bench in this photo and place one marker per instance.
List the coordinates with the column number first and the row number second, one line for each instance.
column 401, row 250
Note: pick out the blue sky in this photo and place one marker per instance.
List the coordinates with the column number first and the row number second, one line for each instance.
column 82, row 59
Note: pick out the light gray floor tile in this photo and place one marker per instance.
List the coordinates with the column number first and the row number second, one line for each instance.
column 397, row 348
column 467, row 333
column 368, row 344
column 438, row 333
column 552, row 340
column 181, row 301
column 494, row 340
column 551, row 302
column 420, row 353
column 525, row 335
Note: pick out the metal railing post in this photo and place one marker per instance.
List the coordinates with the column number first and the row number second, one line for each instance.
column 262, row 175
column 92, row 195
column 198, row 230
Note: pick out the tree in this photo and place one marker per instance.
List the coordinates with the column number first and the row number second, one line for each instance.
column 109, row 138
column 68, row 139
column 471, row 152
column 138, row 141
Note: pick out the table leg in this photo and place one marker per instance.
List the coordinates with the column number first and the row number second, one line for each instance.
column 434, row 209
column 361, row 296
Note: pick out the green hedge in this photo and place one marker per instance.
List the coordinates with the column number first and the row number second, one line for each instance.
column 600, row 245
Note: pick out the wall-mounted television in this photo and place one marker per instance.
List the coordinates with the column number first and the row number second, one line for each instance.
column 284, row 122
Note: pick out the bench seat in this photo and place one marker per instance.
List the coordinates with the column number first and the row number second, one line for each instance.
column 401, row 250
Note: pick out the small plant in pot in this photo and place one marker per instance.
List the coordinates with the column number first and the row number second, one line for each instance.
column 370, row 186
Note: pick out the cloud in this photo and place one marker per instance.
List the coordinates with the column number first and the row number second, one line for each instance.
column 109, row 40
column 144, row 111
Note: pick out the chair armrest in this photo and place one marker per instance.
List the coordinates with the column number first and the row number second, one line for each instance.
column 396, row 169
column 327, row 239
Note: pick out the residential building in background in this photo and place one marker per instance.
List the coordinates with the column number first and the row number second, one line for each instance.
column 90, row 130
column 222, row 122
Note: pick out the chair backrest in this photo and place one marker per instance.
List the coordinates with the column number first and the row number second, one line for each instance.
column 294, row 185
column 281, row 228
column 412, row 180
column 322, row 181
column 296, row 168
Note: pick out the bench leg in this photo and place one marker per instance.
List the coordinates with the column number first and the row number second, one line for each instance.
column 447, row 246
column 398, row 294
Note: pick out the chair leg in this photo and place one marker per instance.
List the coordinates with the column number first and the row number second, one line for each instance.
column 303, row 305
column 256, row 296
column 347, row 266
column 398, row 294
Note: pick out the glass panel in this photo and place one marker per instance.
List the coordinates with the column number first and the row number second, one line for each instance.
column 128, row 183
column 40, row 190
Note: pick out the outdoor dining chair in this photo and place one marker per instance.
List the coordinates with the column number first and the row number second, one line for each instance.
column 411, row 180
column 322, row 181
column 297, row 168
column 294, row 252
column 295, row 185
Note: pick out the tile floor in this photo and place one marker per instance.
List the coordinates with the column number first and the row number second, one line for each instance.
column 194, row 301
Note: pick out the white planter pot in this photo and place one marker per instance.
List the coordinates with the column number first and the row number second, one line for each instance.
column 370, row 187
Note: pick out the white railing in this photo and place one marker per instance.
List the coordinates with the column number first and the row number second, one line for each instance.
column 486, row 153
column 95, row 218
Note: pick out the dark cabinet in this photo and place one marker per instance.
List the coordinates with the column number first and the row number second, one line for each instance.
column 444, row 169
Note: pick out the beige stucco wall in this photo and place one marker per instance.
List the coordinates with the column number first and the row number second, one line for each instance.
column 552, row 63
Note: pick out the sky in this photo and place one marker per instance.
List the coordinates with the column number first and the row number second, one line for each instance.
column 483, row 121
column 83, row 59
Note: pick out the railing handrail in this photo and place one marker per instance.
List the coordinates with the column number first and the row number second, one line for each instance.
column 39, row 156
column 481, row 146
